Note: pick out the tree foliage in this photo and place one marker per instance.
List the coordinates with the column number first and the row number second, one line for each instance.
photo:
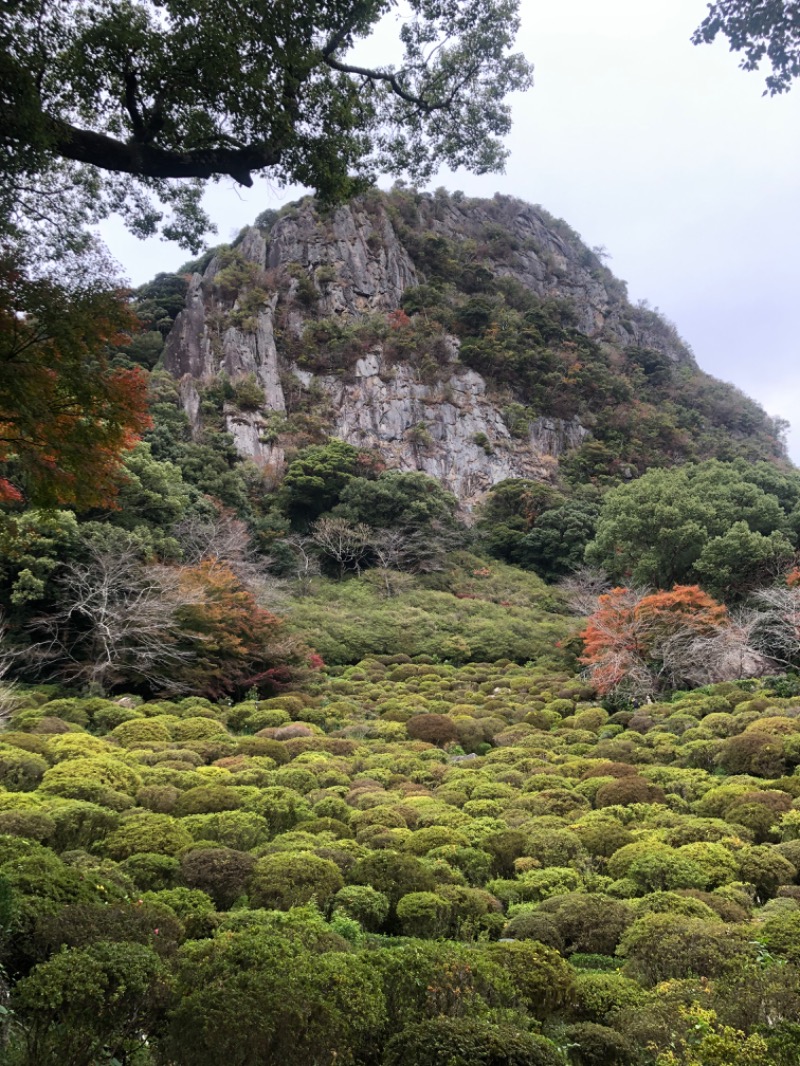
column 728, row 522
column 117, row 101
column 65, row 415
column 761, row 30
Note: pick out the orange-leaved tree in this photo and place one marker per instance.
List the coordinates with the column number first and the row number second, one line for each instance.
column 66, row 416
column 639, row 641
column 230, row 640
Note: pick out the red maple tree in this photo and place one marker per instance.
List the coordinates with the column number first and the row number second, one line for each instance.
column 66, row 416
column 624, row 640
column 231, row 640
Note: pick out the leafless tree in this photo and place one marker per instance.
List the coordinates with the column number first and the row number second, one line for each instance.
column 388, row 582
column 306, row 561
column 583, row 588
column 391, row 548
column 115, row 620
column 348, row 545
column 427, row 548
column 224, row 537
column 730, row 653
column 778, row 631
column 400, row 553
column 9, row 691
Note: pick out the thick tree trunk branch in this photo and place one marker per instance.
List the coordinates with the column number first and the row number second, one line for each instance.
column 150, row 161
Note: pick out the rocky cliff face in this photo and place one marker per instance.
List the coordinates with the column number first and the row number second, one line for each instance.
column 255, row 313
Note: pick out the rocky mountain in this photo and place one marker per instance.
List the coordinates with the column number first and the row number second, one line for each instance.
column 473, row 340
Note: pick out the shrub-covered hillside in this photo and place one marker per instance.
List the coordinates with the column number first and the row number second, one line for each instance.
column 422, row 688
column 403, row 863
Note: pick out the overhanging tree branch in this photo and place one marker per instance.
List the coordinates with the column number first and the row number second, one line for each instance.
column 391, row 79
column 118, row 102
column 150, row 161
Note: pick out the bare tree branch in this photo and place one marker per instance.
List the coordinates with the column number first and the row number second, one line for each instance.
column 115, row 621
column 348, row 545
column 778, row 631
column 306, row 566
column 9, row 691
column 224, row 537
column 583, row 588
column 729, row 654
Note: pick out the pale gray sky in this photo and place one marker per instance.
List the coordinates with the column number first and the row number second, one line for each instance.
column 665, row 153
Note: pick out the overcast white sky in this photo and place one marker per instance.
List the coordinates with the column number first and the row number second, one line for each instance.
column 665, row 153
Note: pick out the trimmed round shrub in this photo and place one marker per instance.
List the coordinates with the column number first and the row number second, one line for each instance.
column 207, row 799
column 75, row 746
column 423, row 914
column 432, row 728
column 392, row 873
column 149, row 833
column 35, row 825
column 760, row 754
column 99, row 770
column 661, row 947
column 68, row 710
column 111, row 715
column 766, row 869
column 21, row 771
column 198, row 729
column 221, row 873
column 364, row 904
column 161, row 799
column 589, row 923
column 95, row 993
column 440, row 1041
column 598, row 1045
column 193, row 909
column 151, row 872
column 543, row 981
column 48, row 725
column 289, row 880
column 139, row 731
column 266, row 718
column 239, row 830
column 533, row 925
column 79, row 824
column 627, row 790
column 599, row 996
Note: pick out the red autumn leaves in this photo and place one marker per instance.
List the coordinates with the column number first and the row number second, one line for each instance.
column 629, row 633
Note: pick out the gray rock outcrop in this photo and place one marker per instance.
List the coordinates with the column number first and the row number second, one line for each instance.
column 353, row 264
